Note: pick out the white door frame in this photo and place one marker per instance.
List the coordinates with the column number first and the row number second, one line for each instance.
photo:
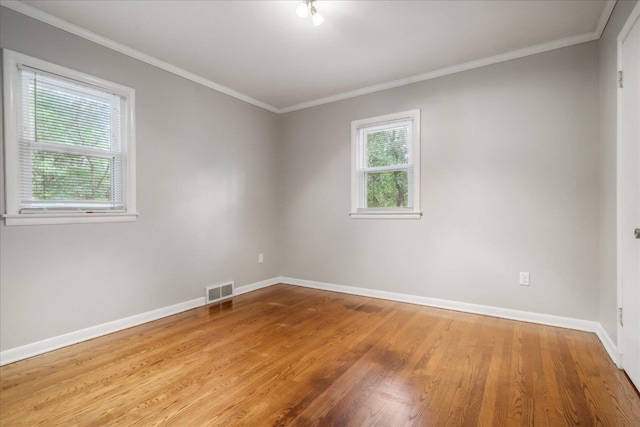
column 635, row 13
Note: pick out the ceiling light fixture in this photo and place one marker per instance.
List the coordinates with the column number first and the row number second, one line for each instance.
column 303, row 9
column 307, row 8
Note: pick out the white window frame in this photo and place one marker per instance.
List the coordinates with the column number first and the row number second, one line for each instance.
column 358, row 200
column 12, row 216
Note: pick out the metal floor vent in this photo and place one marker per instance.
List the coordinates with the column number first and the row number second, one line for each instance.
column 215, row 293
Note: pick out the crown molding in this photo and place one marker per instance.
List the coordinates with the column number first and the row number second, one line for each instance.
column 61, row 24
column 483, row 62
column 503, row 57
column 34, row 13
column 604, row 18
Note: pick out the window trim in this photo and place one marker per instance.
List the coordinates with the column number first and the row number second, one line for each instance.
column 386, row 213
column 12, row 215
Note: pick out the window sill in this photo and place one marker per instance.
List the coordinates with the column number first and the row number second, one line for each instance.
column 386, row 215
column 67, row 218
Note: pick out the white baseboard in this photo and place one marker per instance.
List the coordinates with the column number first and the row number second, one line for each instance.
column 44, row 346
column 609, row 346
column 50, row 344
column 258, row 285
column 505, row 313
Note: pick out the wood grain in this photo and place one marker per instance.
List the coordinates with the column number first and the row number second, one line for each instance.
column 291, row 356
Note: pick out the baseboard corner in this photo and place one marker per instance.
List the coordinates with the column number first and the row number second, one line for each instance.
column 607, row 343
column 257, row 285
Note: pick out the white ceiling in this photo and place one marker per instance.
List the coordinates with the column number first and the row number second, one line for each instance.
column 262, row 52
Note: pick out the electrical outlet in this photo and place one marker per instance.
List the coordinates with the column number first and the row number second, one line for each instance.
column 524, row 278
column 260, row 257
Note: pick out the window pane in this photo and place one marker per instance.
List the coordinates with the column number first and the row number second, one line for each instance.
column 388, row 189
column 65, row 116
column 72, row 153
column 387, row 147
column 68, row 177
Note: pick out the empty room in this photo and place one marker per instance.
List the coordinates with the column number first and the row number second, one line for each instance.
column 320, row 213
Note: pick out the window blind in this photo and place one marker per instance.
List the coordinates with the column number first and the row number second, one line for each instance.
column 72, row 154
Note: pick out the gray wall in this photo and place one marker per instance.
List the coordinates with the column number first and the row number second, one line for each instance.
column 608, row 45
column 513, row 179
column 206, row 197
column 509, row 184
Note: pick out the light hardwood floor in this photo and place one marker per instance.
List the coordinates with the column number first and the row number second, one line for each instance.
column 292, row 356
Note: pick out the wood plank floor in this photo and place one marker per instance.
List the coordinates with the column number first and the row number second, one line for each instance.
column 292, row 356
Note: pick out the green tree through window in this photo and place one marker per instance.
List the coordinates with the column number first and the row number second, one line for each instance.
column 384, row 149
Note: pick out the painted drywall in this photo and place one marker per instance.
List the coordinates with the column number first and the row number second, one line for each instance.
column 608, row 67
column 206, row 187
column 509, row 184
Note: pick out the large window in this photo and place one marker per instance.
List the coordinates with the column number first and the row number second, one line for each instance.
column 69, row 145
column 386, row 166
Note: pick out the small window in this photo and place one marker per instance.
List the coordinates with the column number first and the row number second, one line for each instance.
column 69, row 145
column 385, row 166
